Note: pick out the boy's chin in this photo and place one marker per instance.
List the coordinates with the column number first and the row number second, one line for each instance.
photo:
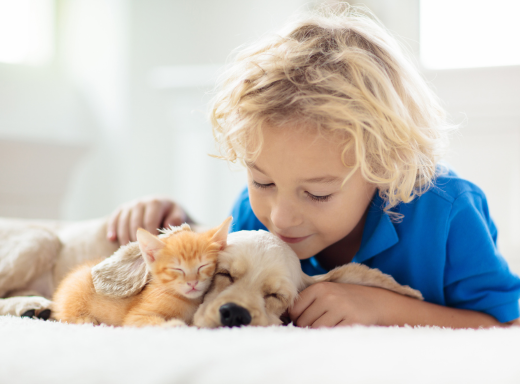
column 301, row 251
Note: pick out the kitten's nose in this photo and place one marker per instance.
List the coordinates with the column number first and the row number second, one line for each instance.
column 233, row 315
column 192, row 283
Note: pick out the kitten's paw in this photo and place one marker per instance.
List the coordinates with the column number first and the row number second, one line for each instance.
column 174, row 323
column 84, row 320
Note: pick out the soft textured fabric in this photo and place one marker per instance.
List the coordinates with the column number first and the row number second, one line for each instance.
column 444, row 246
column 41, row 352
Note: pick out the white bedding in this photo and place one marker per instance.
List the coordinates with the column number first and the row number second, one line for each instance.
column 36, row 351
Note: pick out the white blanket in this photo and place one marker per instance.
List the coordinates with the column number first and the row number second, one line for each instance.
column 36, row 351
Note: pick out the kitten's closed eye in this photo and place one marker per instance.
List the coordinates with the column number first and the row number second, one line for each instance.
column 226, row 274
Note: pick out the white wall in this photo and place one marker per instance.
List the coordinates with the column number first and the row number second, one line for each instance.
column 125, row 131
column 137, row 138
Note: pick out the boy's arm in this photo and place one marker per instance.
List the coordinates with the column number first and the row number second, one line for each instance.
column 335, row 304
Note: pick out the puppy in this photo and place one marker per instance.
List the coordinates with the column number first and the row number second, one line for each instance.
column 257, row 278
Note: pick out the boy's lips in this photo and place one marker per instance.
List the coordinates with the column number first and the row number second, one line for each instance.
column 292, row 240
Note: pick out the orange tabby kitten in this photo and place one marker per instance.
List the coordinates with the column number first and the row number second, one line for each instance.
column 181, row 267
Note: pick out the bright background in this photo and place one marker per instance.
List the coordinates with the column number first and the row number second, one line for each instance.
column 104, row 101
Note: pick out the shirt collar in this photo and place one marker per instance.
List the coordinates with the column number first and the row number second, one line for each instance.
column 379, row 233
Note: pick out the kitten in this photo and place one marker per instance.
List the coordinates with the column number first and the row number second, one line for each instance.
column 181, row 267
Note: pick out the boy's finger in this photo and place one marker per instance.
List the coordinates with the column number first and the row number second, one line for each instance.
column 153, row 216
column 122, row 227
column 112, row 225
column 343, row 323
column 304, row 300
column 136, row 220
column 310, row 315
column 327, row 319
column 176, row 217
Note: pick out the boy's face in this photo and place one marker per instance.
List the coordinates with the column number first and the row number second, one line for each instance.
column 295, row 189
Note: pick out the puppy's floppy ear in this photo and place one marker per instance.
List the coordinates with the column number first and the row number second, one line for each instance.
column 221, row 233
column 149, row 245
column 123, row 274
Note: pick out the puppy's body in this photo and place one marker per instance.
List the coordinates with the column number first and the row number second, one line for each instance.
column 36, row 255
column 181, row 267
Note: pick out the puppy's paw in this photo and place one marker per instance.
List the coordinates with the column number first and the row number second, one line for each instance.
column 27, row 306
column 174, row 323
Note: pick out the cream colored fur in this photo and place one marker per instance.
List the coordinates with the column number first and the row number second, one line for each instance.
column 35, row 256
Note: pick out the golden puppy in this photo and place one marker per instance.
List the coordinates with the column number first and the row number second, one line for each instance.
column 257, row 278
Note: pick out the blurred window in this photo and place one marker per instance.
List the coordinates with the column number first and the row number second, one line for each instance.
column 26, row 31
column 469, row 33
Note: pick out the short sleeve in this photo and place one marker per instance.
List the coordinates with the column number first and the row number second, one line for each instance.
column 244, row 218
column 476, row 275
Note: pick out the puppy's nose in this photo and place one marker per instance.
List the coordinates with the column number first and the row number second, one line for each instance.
column 233, row 315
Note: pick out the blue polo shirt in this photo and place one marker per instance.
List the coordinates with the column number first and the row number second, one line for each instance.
column 445, row 247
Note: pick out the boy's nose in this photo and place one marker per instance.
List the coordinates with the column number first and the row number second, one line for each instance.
column 285, row 215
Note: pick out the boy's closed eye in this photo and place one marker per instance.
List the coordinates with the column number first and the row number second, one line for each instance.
column 320, row 198
column 262, row 186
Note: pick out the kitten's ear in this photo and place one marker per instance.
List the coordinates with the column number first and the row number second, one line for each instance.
column 149, row 245
column 221, row 233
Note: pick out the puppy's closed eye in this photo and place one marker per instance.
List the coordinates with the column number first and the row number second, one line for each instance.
column 278, row 298
column 274, row 296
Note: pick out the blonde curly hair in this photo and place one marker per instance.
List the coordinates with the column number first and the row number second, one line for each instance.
column 342, row 73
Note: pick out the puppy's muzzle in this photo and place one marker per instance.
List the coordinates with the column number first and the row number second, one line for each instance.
column 233, row 315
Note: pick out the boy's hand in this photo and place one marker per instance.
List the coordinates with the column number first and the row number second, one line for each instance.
column 334, row 304
column 150, row 213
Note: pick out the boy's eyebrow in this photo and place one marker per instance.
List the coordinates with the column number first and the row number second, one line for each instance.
column 254, row 166
column 322, row 179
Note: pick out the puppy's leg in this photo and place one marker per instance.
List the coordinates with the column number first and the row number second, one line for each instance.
column 17, row 306
column 360, row 274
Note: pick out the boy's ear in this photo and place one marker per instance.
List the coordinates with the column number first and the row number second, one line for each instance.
column 221, row 233
column 149, row 244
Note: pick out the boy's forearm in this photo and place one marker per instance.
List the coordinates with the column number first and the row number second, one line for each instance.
column 401, row 310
